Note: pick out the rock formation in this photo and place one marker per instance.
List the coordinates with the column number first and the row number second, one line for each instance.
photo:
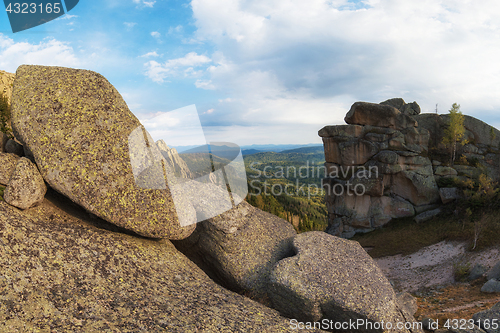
column 378, row 166
column 26, row 187
column 75, row 126
column 240, row 247
column 174, row 161
column 355, row 288
column 62, row 271
column 74, row 259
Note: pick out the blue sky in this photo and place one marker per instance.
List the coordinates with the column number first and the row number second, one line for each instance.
column 263, row 72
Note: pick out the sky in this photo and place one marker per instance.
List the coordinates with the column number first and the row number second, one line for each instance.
column 273, row 72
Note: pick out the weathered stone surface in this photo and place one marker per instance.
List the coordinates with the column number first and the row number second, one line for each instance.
column 468, row 171
column 26, row 187
column 492, row 286
column 388, row 157
column 445, row 171
column 427, row 215
column 174, row 161
column 430, row 324
column 416, row 136
column 483, row 133
column 486, row 318
column 355, row 287
column 362, row 113
column 449, row 194
column 356, row 207
column 414, row 187
column 475, row 329
column 494, row 273
column 342, row 131
column 410, row 109
column 477, row 272
column 240, row 246
column 77, row 125
column 66, row 273
column 408, row 303
column 8, row 164
column 424, row 208
column 398, row 103
column 389, row 207
column 355, row 152
column 14, row 147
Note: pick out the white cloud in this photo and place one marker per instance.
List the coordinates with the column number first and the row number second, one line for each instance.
column 145, row 3
column 292, row 61
column 150, row 54
column 173, row 67
column 156, row 72
column 204, row 84
column 155, row 34
column 130, row 25
column 67, row 17
column 179, row 127
column 49, row 52
column 174, row 30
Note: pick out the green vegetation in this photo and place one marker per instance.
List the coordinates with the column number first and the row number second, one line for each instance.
column 288, row 185
column 455, row 131
column 2, row 189
column 461, row 271
column 5, row 115
column 473, row 219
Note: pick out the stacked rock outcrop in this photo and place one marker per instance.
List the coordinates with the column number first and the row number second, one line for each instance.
column 387, row 161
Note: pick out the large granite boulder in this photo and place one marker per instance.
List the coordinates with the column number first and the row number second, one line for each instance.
column 239, row 247
column 26, row 187
column 334, row 279
column 494, row 272
column 8, row 164
column 492, row 286
column 363, row 113
column 410, row 109
column 76, row 126
column 486, row 319
column 65, row 272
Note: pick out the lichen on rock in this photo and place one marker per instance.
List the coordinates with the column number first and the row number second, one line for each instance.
column 76, row 126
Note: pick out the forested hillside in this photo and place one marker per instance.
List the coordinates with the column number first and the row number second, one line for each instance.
column 288, row 184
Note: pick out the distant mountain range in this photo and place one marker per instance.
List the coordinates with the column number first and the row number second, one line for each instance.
column 246, row 150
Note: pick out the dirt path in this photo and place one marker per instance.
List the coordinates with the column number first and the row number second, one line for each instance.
column 433, row 265
column 429, row 275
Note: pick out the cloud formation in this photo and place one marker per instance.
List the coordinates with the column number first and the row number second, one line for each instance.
column 184, row 66
column 149, row 4
column 321, row 56
column 49, row 52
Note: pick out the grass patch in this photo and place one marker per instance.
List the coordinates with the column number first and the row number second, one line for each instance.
column 2, row 189
column 404, row 236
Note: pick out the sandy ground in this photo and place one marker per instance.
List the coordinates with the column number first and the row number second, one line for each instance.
column 432, row 266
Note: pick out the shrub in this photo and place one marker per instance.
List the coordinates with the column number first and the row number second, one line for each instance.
column 461, row 271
